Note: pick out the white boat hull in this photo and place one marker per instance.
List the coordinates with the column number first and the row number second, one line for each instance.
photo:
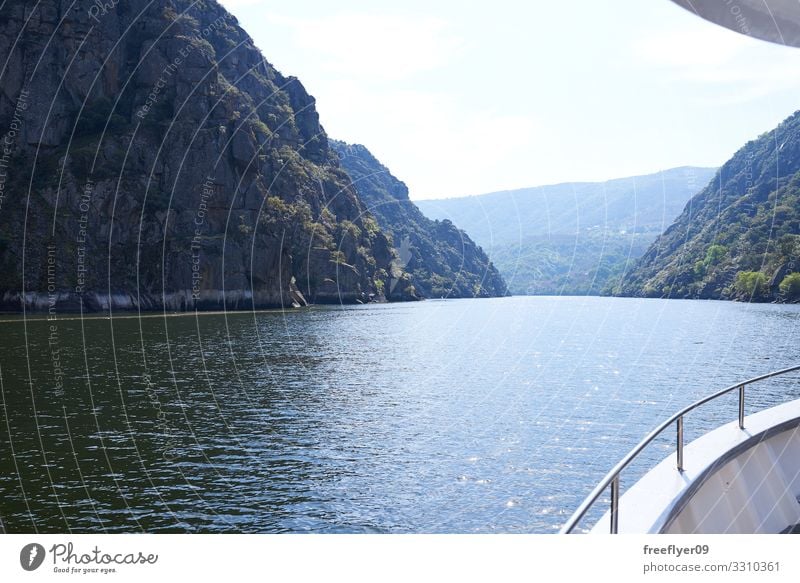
column 734, row 481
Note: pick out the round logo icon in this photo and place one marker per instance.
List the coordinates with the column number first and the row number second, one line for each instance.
column 31, row 556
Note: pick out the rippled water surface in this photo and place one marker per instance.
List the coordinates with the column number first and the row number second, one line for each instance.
column 440, row 416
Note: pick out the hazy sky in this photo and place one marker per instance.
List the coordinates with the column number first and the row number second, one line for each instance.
column 461, row 98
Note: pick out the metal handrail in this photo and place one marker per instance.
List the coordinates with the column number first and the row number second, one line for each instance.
column 612, row 478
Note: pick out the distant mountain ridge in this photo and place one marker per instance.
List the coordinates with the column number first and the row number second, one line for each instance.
column 572, row 238
column 441, row 260
column 738, row 238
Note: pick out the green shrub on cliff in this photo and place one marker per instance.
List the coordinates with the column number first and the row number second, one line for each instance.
column 714, row 254
column 790, row 286
column 750, row 284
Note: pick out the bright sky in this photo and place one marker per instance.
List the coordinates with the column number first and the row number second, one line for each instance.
column 460, row 98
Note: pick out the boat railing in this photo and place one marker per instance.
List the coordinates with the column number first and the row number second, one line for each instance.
column 612, row 478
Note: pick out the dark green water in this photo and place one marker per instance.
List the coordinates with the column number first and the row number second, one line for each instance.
column 441, row 416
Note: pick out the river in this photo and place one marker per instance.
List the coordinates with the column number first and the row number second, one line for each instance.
column 455, row 416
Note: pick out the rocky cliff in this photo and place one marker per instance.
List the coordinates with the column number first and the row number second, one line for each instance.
column 739, row 237
column 441, row 260
column 151, row 157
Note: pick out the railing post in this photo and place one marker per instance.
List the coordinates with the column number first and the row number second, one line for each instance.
column 680, row 443
column 615, row 504
column 741, row 407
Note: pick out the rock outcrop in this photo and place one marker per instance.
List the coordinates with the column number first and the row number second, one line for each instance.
column 440, row 259
column 150, row 157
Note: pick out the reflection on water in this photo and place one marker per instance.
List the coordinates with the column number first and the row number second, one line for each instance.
column 440, row 416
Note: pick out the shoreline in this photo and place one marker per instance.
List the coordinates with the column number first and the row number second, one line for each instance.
column 38, row 316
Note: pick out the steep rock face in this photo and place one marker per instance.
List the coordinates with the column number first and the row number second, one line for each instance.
column 151, row 157
column 739, row 238
column 441, row 260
